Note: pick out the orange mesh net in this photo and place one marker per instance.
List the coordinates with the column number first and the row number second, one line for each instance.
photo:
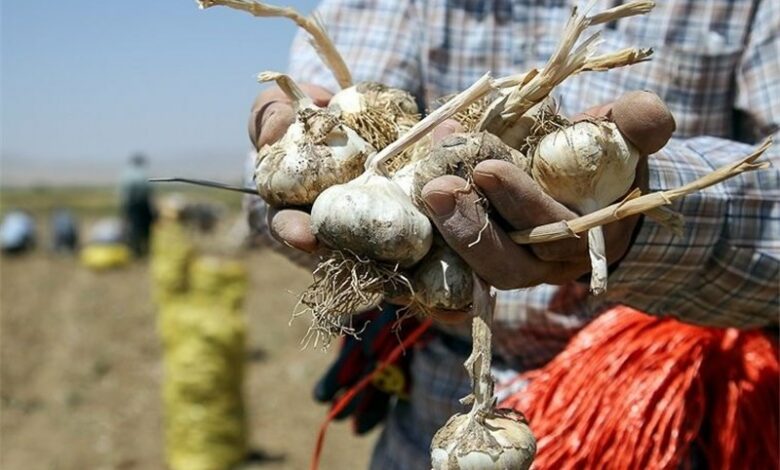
column 633, row 391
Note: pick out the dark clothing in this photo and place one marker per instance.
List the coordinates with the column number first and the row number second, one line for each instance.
column 64, row 231
column 137, row 209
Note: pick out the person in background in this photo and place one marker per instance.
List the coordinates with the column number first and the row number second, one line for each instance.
column 135, row 194
column 64, row 231
column 716, row 66
column 17, row 232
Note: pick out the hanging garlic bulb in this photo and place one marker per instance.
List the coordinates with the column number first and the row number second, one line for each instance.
column 316, row 152
column 587, row 166
column 502, row 441
column 485, row 438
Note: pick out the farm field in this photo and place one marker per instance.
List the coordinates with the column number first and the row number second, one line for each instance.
column 81, row 361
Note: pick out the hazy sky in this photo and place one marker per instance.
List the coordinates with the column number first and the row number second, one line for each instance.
column 87, row 82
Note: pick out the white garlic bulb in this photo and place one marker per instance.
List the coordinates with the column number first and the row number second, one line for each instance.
column 316, row 152
column 372, row 217
column 365, row 95
column 404, row 177
column 443, row 280
column 500, row 441
column 587, row 166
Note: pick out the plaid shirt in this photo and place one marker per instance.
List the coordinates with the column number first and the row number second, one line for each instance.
column 717, row 67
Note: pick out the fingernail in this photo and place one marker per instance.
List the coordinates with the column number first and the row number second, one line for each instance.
column 486, row 181
column 440, row 203
column 444, row 129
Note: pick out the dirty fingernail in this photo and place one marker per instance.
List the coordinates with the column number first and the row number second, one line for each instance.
column 486, row 180
column 440, row 203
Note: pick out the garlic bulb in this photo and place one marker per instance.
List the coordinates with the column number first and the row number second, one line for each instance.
column 378, row 114
column 372, row 217
column 503, row 442
column 443, row 280
column 365, row 95
column 587, row 166
column 458, row 154
column 404, row 177
column 317, row 151
column 485, row 438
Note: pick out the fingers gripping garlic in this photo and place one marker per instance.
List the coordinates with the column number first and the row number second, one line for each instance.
column 317, row 151
column 458, row 154
column 587, row 166
column 371, row 216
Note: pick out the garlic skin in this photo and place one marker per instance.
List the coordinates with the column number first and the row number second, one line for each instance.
column 587, row 166
column 504, row 437
column 348, row 100
column 404, row 177
column 364, row 95
column 443, row 280
column 372, row 217
column 458, row 154
column 517, row 133
column 316, row 152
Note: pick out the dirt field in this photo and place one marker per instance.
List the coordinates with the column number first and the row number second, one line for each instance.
column 81, row 370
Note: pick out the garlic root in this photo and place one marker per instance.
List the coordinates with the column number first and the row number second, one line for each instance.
column 345, row 284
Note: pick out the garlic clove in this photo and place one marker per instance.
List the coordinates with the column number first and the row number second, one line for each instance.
column 443, row 280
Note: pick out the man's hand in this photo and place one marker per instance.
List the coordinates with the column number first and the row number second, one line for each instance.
column 272, row 113
column 518, row 203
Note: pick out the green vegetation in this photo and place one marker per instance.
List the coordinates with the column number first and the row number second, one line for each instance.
column 99, row 200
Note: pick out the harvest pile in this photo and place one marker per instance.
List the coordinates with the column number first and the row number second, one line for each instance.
column 202, row 330
column 359, row 166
